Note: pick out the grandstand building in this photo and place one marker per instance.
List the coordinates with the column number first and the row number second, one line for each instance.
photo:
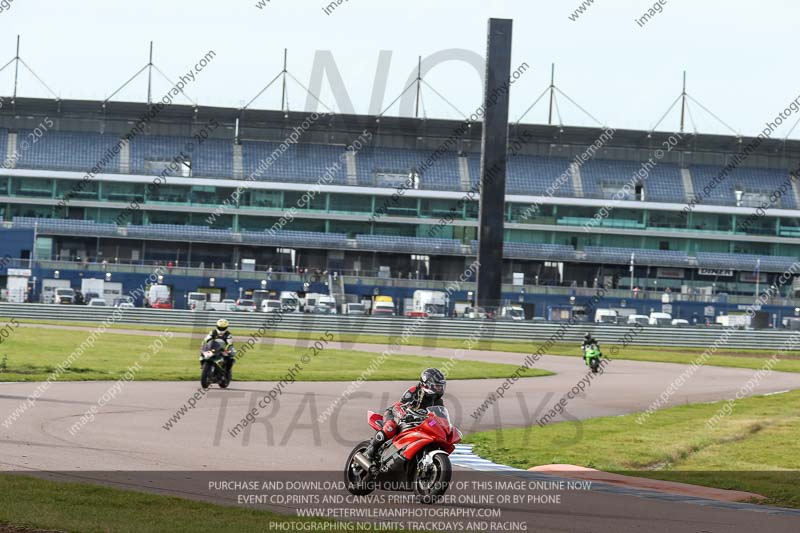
column 254, row 198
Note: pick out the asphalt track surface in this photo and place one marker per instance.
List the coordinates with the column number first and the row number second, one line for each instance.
column 128, row 445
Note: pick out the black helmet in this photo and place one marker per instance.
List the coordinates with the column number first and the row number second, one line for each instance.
column 587, row 337
column 432, row 382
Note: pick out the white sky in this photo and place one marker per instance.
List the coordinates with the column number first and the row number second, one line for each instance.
column 739, row 54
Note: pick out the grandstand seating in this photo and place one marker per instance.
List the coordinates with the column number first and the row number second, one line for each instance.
column 3, row 147
column 295, row 238
column 529, row 174
column 67, row 226
column 211, row 158
column 526, row 250
column 745, row 262
column 442, row 174
column 641, row 256
column 756, row 183
column 604, row 178
column 179, row 232
column 305, row 163
column 421, row 245
column 65, row 150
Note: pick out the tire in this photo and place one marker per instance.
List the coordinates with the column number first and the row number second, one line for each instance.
column 225, row 381
column 430, row 490
column 355, row 486
column 595, row 363
column 206, row 376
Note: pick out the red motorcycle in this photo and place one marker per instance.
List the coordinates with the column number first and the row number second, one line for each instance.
column 418, row 458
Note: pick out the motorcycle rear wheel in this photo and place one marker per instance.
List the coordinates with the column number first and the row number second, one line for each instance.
column 206, row 378
column 354, row 474
column 433, row 486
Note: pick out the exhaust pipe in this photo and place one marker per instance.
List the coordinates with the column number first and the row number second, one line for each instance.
column 362, row 461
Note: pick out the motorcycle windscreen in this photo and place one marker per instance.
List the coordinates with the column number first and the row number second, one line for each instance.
column 441, row 412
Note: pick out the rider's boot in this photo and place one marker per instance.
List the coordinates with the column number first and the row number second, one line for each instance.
column 386, row 433
column 373, row 446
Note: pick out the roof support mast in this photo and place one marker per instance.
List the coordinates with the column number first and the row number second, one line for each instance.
column 150, row 77
column 419, row 84
column 552, row 92
column 284, row 107
column 683, row 102
column 16, row 71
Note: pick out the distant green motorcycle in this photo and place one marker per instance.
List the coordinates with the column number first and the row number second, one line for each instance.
column 592, row 355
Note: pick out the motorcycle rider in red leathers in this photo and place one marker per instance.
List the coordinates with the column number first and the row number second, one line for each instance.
column 427, row 393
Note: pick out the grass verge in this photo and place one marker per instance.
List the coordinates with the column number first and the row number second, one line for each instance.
column 738, row 358
column 754, row 448
column 75, row 507
column 32, row 354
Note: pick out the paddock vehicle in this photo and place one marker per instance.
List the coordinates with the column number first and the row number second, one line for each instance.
column 416, row 459
column 325, row 303
column 124, row 302
column 605, row 316
column 246, row 306
column 271, row 306
column 383, row 306
column 259, row 296
column 642, row 320
column 161, row 304
column 512, row 312
column 428, row 304
column 475, row 313
column 592, row 355
column 660, row 319
column 355, row 309
column 197, row 301
column 214, row 364
column 64, row 296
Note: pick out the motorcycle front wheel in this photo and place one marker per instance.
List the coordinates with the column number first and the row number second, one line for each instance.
column 431, row 484
column 595, row 364
column 354, row 475
column 207, row 377
column 226, row 379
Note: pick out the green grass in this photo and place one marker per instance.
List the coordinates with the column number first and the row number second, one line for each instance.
column 755, row 448
column 738, row 358
column 42, row 504
column 33, row 353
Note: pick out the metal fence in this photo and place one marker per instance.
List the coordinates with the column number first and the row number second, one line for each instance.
column 532, row 332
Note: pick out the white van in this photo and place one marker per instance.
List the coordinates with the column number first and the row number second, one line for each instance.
column 660, row 319
column 642, row 320
column 356, row 309
column 196, row 301
column 271, row 306
column 605, row 316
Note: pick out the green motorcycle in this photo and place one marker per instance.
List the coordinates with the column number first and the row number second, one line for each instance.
column 592, row 355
